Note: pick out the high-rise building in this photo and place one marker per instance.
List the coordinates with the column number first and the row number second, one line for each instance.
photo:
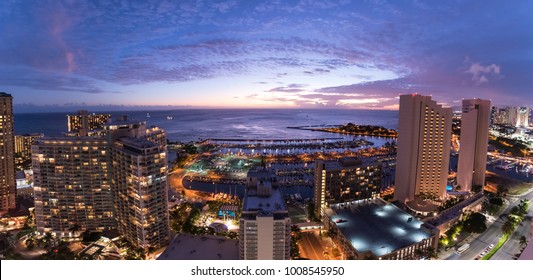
column 345, row 180
column 511, row 115
column 522, row 117
column 23, row 143
column 72, row 185
column 493, row 114
column 139, row 182
column 500, row 116
column 473, row 143
column 7, row 150
column 265, row 226
column 96, row 183
column 423, row 157
column 83, row 122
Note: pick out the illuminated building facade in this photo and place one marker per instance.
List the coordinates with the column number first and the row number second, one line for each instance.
column 98, row 183
column 23, row 143
column 139, row 180
column 474, row 143
column 423, row 148
column 83, row 122
column 265, row 226
column 522, row 116
column 500, row 116
column 72, row 185
column 7, row 160
column 514, row 116
column 345, row 180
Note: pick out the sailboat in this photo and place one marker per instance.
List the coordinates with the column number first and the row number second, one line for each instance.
column 147, row 115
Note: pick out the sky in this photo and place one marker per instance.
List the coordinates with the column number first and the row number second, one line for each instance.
column 256, row 54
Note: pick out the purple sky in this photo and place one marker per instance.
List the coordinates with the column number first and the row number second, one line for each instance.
column 310, row 54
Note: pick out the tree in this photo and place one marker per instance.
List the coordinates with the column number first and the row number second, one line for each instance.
column 336, row 252
column 501, row 191
column 59, row 252
column 430, row 253
column 522, row 241
column 4, row 241
column 477, row 188
column 74, row 229
column 523, row 207
column 475, row 223
column 91, row 236
column 419, row 253
column 508, row 227
column 496, row 201
column 30, row 243
column 296, row 232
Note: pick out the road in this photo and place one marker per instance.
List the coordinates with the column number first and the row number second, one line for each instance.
column 19, row 248
column 310, row 246
column 493, row 233
column 512, row 247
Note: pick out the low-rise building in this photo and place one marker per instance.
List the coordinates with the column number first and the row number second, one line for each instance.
column 345, row 180
column 377, row 230
column 194, row 247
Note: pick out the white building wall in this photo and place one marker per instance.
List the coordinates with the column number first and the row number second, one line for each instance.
column 265, row 238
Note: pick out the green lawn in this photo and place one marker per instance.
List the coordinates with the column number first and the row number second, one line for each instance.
column 520, row 188
column 502, row 241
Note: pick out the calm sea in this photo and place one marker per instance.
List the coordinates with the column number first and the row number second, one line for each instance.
column 194, row 124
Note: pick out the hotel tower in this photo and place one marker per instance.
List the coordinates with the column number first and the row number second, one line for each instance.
column 424, row 138
column 97, row 183
column 472, row 164
column 7, row 150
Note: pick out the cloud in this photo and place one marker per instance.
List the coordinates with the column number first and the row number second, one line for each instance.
column 480, row 72
column 88, row 47
column 317, row 71
column 17, row 76
column 292, row 88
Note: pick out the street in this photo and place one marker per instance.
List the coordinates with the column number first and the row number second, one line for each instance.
column 312, row 246
column 493, row 233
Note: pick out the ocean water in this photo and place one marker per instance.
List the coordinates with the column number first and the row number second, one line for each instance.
column 198, row 124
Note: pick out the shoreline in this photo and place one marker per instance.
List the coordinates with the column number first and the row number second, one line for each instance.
column 331, row 129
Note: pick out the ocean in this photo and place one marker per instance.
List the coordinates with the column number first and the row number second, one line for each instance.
column 197, row 124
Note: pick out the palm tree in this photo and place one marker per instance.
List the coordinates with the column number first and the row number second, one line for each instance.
column 419, row 253
column 74, row 228
column 430, row 253
column 508, row 227
column 522, row 241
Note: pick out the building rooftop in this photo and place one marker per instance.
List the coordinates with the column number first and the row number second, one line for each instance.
column 123, row 122
column 30, row 135
column 3, row 94
column 379, row 228
column 138, row 142
column 261, row 173
column 269, row 204
column 62, row 140
column 193, row 247
column 102, row 247
column 348, row 163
